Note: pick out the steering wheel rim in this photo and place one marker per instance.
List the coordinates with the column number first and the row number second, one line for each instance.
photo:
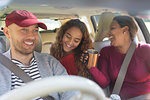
column 59, row 84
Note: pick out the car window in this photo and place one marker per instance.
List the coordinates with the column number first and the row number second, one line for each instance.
column 51, row 24
column 147, row 23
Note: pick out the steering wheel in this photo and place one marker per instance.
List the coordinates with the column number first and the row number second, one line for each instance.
column 88, row 89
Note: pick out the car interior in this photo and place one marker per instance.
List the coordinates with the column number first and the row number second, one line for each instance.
column 54, row 14
column 96, row 14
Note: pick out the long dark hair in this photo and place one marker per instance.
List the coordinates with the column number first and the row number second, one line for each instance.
column 86, row 43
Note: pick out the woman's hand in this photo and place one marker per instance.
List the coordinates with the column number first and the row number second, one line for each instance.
column 89, row 60
column 84, row 57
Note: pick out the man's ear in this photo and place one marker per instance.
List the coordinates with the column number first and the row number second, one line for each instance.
column 6, row 32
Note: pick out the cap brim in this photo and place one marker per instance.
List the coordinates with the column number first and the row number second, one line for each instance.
column 29, row 22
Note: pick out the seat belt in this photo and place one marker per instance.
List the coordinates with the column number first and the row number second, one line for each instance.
column 18, row 72
column 124, row 67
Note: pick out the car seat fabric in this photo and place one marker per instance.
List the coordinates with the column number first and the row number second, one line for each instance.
column 2, row 44
column 99, row 45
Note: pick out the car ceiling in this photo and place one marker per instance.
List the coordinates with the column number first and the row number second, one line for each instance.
column 76, row 7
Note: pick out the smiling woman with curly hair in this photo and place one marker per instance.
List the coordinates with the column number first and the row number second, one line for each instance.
column 72, row 39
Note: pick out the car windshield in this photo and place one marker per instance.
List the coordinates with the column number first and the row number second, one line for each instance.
column 51, row 24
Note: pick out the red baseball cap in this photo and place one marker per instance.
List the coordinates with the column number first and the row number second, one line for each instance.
column 23, row 18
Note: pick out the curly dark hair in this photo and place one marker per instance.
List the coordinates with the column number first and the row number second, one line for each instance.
column 86, row 43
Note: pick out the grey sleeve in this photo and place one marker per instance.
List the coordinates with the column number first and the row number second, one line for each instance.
column 59, row 69
column 67, row 95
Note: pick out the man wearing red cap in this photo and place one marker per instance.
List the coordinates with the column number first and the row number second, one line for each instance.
column 22, row 28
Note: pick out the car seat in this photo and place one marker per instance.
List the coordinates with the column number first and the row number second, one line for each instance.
column 105, row 20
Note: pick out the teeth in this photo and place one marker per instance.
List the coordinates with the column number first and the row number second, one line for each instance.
column 29, row 43
column 110, row 37
column 68, row 46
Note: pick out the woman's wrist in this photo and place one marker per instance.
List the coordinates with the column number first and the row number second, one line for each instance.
column 89, row 67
